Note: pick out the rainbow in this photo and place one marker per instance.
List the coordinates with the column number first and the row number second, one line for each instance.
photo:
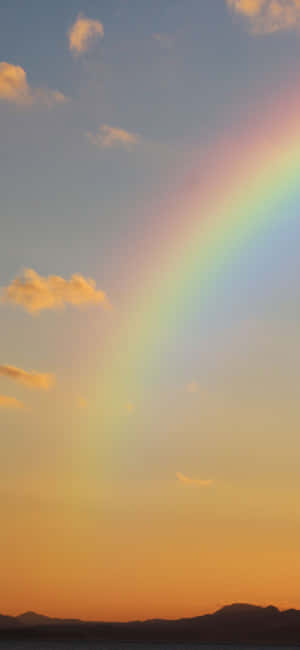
column 234, row 194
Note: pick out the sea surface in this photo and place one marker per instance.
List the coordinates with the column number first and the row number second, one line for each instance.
column 99, row 645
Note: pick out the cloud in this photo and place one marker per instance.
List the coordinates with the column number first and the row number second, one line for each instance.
column 36, row 293
column 83, row 33
column 81, row 402
column 246, row 7
column 129, row 408
column 14, row 88
column 165, row 40
column 31, row 379
column 268, row 16
column 193, row 481
column 108, row 137
column 10, row 403
column 192, row 387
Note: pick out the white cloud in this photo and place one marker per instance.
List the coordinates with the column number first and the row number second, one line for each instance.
column 15, row 88
column 129, row 408
column 193, row 481
column 10, row 403
column 165, row 40
column 36, row 293
column 246, row 7
column 83, row 33
column 82, row 402
column 31, row 379
column 192, row 387
column 268, row 16
column 108, row 137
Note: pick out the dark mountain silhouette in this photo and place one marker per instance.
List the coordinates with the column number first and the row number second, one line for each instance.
column 237, row 623
column 8, row 621
column 31, row 619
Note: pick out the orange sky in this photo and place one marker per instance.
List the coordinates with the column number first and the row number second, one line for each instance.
column 139, row 556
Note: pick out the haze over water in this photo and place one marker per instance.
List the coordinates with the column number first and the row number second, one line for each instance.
column 86, row 645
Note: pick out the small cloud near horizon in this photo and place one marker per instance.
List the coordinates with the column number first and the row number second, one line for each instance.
column 36, row 293
column 31, row 379
column 15, row 88
column 192, row 387
column 10, row 403
column 267, row 16
column 193, row 481
column 83, row 33
column 82, row 402
column 109, row 137
column 166, row 41
column 130, row 408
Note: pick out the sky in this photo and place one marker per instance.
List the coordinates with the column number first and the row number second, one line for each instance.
column 149, row 256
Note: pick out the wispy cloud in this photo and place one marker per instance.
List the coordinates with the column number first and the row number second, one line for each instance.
column 192, row 387
column 36, row 293
column 129, row 408
column 108, row 137
column 165, row 41
column 81, row 402
column 193, row 481
column 10, row 403
column 246, row 7
column 83, row 33
column 268, row 16
column 31, row 379
column 15, row 88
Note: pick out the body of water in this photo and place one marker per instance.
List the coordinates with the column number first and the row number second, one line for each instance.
column 99, row 645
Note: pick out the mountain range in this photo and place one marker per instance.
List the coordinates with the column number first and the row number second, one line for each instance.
column 237, row 623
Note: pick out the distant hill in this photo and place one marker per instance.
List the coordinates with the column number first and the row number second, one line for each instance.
column 31, row 619
column 237, row 623
column 7, row 622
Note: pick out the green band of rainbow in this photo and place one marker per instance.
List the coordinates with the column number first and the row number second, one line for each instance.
column 246, row 182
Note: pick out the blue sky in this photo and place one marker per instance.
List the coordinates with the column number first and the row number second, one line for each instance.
column 69, row 206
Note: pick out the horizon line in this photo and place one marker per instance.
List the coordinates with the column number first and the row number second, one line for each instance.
column 153, row 618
